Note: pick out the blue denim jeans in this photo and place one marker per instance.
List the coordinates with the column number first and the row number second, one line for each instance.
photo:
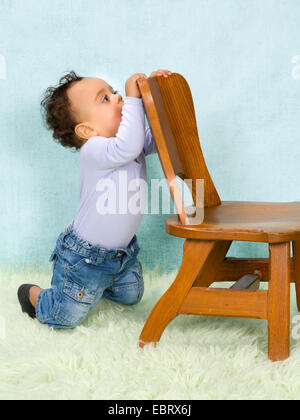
column 83, row 274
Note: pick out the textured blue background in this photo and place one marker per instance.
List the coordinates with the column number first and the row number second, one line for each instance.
column 235, row 54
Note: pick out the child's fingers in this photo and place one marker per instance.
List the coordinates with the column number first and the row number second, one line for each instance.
column 140, row 75
column 164, row 73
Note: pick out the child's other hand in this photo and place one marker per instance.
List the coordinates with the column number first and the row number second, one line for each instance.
column 165, row 73
column 131, row 86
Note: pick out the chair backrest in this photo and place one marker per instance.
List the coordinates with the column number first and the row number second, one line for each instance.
column 171, row 115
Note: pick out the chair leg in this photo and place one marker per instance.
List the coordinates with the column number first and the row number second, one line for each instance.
column 195, row 253
column 212, row 264
column 296, row 258
column 279, row 301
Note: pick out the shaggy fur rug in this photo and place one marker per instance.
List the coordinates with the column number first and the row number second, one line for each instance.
column 196, row 358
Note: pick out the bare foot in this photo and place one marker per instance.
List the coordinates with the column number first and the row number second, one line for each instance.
column 34, row 295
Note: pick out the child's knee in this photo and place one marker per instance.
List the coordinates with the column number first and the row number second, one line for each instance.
column 134, row 295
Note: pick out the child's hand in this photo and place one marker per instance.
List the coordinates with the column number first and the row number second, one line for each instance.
column 131, row 87
column 165, row 73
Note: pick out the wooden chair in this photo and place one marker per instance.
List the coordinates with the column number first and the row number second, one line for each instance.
column 170, row 111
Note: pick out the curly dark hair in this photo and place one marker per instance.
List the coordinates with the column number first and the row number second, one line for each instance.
column 56, row 108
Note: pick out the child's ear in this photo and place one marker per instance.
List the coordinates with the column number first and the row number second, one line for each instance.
column 85, row 131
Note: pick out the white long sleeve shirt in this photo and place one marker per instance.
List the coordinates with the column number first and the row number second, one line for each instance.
column 112, row 193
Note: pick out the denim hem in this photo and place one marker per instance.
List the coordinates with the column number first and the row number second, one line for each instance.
column 38, row 311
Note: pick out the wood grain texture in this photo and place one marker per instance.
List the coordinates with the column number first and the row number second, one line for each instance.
column 243, row 221
column 295, row 274
column 225, row 302
column 233, row 268
column 212, row 264
column 279, row 302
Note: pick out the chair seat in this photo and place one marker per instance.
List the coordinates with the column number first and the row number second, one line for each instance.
column 243, row 221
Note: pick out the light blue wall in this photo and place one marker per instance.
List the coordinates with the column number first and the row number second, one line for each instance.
column 235, row 54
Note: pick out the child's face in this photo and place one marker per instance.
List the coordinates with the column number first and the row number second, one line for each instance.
column 97, row 109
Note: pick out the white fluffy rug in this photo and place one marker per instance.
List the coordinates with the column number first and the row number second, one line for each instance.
column 197, row 357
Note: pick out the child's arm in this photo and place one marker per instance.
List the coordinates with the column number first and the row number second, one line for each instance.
column 108, row 153
column 149, row 146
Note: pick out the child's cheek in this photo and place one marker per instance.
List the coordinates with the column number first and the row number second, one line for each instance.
column 117, row 114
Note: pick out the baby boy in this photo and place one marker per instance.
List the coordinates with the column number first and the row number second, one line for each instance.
column 95, row 256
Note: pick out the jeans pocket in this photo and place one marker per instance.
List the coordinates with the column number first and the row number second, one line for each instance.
column 78, row 293
column 74, row 304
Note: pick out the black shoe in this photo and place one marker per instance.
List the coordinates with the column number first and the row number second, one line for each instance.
column 23, row 296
